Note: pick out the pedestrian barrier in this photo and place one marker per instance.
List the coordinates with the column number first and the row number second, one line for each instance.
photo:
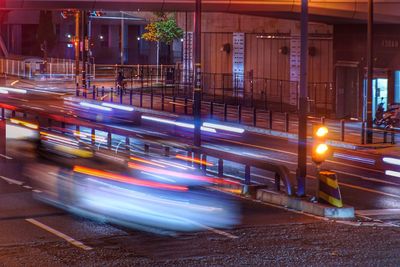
column 329, row 190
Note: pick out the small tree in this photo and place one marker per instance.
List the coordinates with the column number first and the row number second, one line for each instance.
column 162, row 29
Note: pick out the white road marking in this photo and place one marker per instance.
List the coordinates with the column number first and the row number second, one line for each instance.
column 11, row 181
column 27, row 187
column 378, row 212
column 6, row 157
column 36, row 191
column 59, row 234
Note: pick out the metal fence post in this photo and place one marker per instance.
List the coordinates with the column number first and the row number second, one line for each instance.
column 286, row 122
column 211, row 109
column 112, row 95
column 77, row 89
column 220, row 168
column 225, row 112
column 204, row 163
column 162, row 102
column 121, row 95
column 384, row 136
column 102, row 92
column 363, row 132
column 109, row 140
column 239, row 111
column 151, row 100
column 173, row 104
column 247, row 175
column 130, row 96
column 185, row 107
column 94, row 92
column 141, row 98
column 393, row 137
column 270, row 119
column 342, row 130
column 254, row 117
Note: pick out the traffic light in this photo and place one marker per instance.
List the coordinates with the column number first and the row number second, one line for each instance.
column 320, row 150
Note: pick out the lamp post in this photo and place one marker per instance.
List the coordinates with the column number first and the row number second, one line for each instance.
column 197, row 73
column 302, row 128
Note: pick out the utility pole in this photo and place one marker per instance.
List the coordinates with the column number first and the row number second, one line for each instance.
column 370, row 70
column 85, row 47
column 197, row 73
column 77, row 45
column 302, row 139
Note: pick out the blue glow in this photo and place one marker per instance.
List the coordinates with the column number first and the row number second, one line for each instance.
column 391, row 161
column 89, row 105
column 223, row 127
column 111, row 105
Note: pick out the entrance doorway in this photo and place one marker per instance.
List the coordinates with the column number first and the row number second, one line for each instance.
column 347, row 91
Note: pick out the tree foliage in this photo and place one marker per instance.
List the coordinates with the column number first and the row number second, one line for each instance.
column 162, row 29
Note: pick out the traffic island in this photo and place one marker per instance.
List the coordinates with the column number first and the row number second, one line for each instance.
column 304, row 205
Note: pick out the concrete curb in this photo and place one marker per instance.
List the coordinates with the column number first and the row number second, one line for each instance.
column 317, row 209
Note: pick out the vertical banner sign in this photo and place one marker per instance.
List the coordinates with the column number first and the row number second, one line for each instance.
column 187, row 56
column 294, row 69
column 238, row 62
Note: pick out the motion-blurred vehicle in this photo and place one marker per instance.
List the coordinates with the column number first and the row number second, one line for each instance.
column 152, row 194
column 107, row 112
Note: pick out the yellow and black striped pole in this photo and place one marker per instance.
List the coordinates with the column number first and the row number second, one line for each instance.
column 328, row 188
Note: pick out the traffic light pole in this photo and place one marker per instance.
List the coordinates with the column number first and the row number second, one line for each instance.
column 370, row 66
column 302, row 139
column 197, row 73
column 77, row 45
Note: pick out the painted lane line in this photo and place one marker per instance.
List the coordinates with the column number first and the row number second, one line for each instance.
column 378, row 212
column 295, row 154
column 359, row 188
column 367, row 178
column 220, row 232
column 59, row 234
column 36, row 191
column 5, row 156
column 11, row 181
column 27, row 187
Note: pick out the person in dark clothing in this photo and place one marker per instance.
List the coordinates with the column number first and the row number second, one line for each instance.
column 120, row 82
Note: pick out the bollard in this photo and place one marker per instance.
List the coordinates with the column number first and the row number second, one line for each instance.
column 121, row 95
column 239, row 111
column 162, row 102
column 286, row 122
column 185, row 108
column 342, row 130
column 247, row 175
column 225, row 112
column 204, row 163
column 112, row 95
column 363, row 132
column 277, row 182
column 97, row 92
column 173, row 104
column 254, row 117
column 130, row 97
column 166, row 151
column 146, row 148
column 211, row 109
column 94, row 92
column 141, row 98
column 270, row 119
column 323, row 120
column 109, row 140
column 220, row 168
column 393, row 137
column 151, row 100
column 102, row 92
column 93, row 136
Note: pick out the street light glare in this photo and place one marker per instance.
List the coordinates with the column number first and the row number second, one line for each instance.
column 321, row 149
